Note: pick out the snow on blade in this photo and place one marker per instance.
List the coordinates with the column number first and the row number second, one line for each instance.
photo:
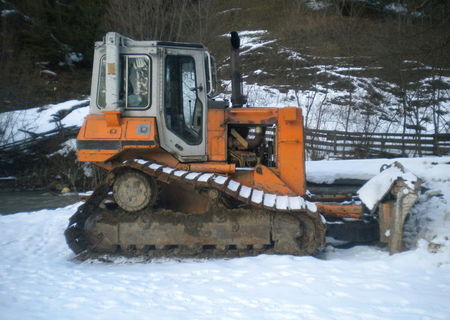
column 376, row 188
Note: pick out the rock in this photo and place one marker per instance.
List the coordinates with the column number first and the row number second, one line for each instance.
column 65, row 190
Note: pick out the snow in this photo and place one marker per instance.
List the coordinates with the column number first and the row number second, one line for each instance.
column 397, row 8
column 376, row 188
column 205, row 177
column 9, row 178
column 192, row 175
column 228, row 11
column 154, row 166
column 66, row 147
column 74, row 57
column 311, row 206
column 38, row 120
column 220, row 179
column 233, row 185
column 40, row 279
column 251, row 40
column 245, row 192
column 328, row 171
column 296, row 203
column 259, row 71
column 317, row 4
column 292, row 55
column 168, row 170
column 180, row 173
column 269, row 200
column 257, row 196
column 8, row 12
column 282, row 202
column 49, row 72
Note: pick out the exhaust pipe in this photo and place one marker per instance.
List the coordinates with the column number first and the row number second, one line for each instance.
column 237, row 98
column 113, row 76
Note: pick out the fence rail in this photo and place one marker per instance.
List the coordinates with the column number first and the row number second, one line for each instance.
column 344, row 145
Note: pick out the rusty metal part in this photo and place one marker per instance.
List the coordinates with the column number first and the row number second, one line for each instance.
column 331, row 197
column 392, row 214
column 242, row 157
column 222, row 230
column 232, row 220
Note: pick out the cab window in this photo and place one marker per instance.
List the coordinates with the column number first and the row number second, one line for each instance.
column 135, row 85
column 183, row 108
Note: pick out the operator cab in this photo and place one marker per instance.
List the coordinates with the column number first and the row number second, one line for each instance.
column 170, row 81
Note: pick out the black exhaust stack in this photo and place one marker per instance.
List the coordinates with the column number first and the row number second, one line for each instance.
column 237, row 98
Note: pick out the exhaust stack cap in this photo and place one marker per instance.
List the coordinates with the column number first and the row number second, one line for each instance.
column 235, row 40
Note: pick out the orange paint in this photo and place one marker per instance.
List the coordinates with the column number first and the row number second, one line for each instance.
column 112, row 118
column 217, row 139
column 210, row 167
column 290, row 149
column 99, row 142
column 340, row 211
column 266, row 179
column 95, row 155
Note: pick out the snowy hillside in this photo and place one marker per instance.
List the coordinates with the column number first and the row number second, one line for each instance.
column 339, row 93
column 39, row 279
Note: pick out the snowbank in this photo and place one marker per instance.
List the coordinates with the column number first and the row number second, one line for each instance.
column 38, row 120
column 328, row 171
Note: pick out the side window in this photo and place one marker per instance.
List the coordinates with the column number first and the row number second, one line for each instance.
column 183, row 108
column 138, row 80
column 135, row 85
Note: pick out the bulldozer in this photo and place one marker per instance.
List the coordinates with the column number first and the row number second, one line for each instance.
column 189, row 175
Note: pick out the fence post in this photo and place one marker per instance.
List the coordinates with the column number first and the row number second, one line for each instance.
column 435, row 144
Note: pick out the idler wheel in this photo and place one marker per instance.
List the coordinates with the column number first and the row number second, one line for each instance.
column 134, row 191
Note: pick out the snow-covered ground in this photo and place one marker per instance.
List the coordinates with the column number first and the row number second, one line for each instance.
column 39, row 279
column 15, row 124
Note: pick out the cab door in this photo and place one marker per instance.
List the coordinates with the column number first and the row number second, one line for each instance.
column 184, row 104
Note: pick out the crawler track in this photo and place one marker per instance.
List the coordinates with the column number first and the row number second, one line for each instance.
column 235, row 220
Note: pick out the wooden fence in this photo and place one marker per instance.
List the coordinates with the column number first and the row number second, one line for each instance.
column 320, row 144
